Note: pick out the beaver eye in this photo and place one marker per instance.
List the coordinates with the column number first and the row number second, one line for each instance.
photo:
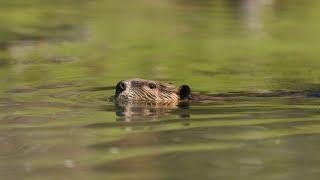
column 152, row 86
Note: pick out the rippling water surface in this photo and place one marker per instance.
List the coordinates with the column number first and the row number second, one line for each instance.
column 59, row 62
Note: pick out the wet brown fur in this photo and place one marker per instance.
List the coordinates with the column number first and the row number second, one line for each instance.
column 149, row 91
column 155, row 92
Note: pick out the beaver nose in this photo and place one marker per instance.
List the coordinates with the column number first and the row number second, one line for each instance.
column 121, row 86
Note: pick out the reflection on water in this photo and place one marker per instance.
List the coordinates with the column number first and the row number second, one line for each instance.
column 138, row 111
column 60, row 60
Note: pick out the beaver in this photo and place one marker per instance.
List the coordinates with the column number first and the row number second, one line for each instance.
column 155, row 92
column 151, row 91
column 140, row 99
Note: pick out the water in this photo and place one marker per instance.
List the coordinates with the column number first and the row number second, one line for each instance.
column 59, row 62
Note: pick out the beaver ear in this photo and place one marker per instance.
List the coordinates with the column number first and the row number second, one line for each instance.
column 184, row 92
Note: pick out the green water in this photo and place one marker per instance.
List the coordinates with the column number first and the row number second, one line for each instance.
column 59, row 62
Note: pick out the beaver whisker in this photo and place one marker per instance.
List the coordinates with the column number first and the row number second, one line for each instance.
column 151, row 96
column 165, row 96
column 140, row 95
column 168, row 97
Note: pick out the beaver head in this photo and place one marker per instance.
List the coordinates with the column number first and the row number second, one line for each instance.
column 151, row 91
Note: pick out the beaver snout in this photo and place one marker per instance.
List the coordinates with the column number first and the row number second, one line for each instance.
column 120, row 87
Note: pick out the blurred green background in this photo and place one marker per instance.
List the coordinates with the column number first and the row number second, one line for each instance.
column 219, row 45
